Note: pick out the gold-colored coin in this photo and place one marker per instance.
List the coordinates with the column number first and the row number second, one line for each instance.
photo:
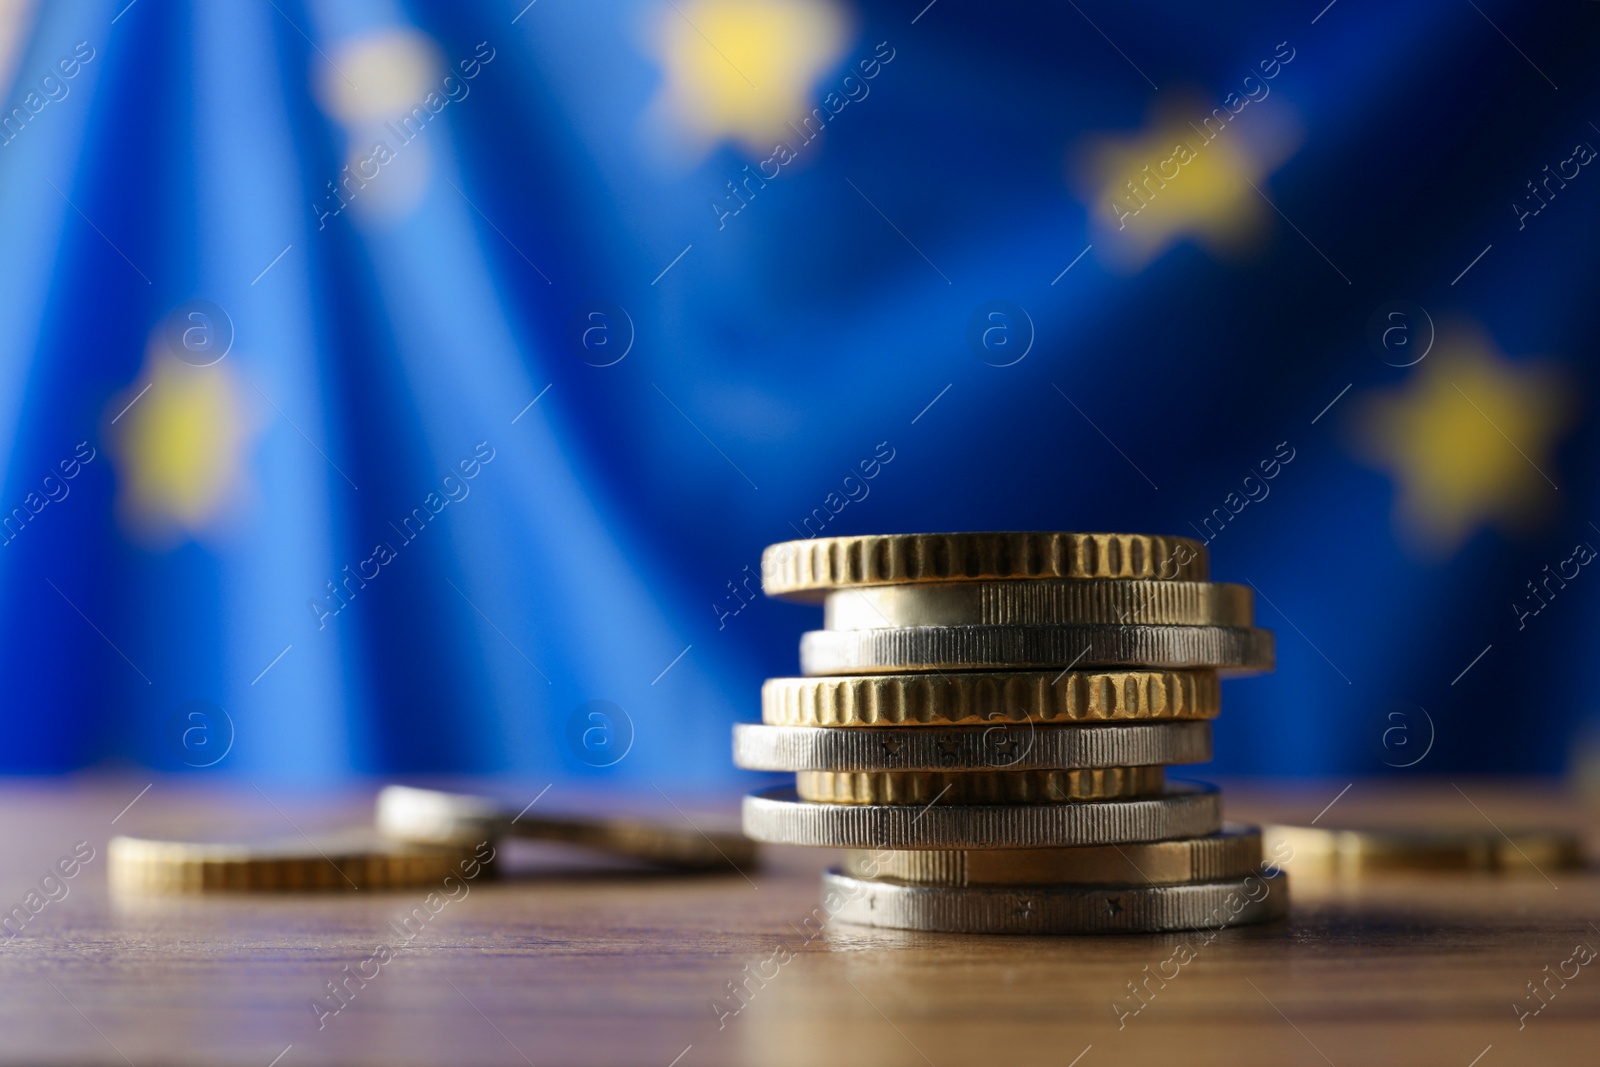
column 804, row 570
column 1045, row 602
column 978, row 787
column 1232, row 853
column 991, row 697
column 1334, row 852
column 358, row 859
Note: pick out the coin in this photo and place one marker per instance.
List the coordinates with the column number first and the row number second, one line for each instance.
column 990, row 697
column 1316, row 850
column 1233, row 852
column 978, row 787
column 950, row 648
column 357, row 859
column 432, row 816
column 1003, row 746
column 1042, row 602
column 1059, row 909
column 804, row 570
column 1184, row 810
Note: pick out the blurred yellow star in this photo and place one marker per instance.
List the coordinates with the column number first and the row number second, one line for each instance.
column 1468, row 440
column 180, row 438
column 740, row 70
column 1189, row 173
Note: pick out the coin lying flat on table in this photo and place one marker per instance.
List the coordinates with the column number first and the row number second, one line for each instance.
column 1350, row 852
column 1003, row 746
column 432, row 816
column 356, row 859
column 979, row 787
column 781, row 817
column 990, row 697
column 1059, row 909
column 804, row 570
column 1043, row 602
column 951, row 648
column 1233, row 852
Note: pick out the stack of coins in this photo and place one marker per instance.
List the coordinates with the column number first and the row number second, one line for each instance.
column 984, row 725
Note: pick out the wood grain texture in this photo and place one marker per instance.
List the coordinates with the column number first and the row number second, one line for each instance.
column 570, row 963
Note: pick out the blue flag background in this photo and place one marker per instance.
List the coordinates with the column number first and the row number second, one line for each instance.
column 412, row 387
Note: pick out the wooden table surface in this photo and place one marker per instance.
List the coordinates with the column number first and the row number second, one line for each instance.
column 568, row 963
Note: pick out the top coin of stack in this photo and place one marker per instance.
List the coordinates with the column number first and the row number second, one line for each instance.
column 984, row 725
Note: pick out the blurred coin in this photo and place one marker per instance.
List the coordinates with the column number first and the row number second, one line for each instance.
column 951, row 648
column 1233, row 852
column 355, row 859
column 432, row 816
column 990, row 697
column 1044, row 602
column 1185, row 810
column 1059, row 909
column 804, row 570
column 978, row 787
column 1003, row 746
column 1330, row 851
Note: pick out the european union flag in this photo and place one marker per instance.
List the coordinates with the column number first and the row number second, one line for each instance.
column 396, row 388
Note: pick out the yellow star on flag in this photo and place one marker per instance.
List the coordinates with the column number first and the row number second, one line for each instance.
column 740, row 70
column 180, row 434
column 1468, row 440
column 1193, row 171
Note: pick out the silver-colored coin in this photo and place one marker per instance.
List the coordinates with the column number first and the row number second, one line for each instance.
column 1058, row 909
column 431, row 816
column 1006, row 745
column 1040, row 602
column 936, row 648
column 1186, row 809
